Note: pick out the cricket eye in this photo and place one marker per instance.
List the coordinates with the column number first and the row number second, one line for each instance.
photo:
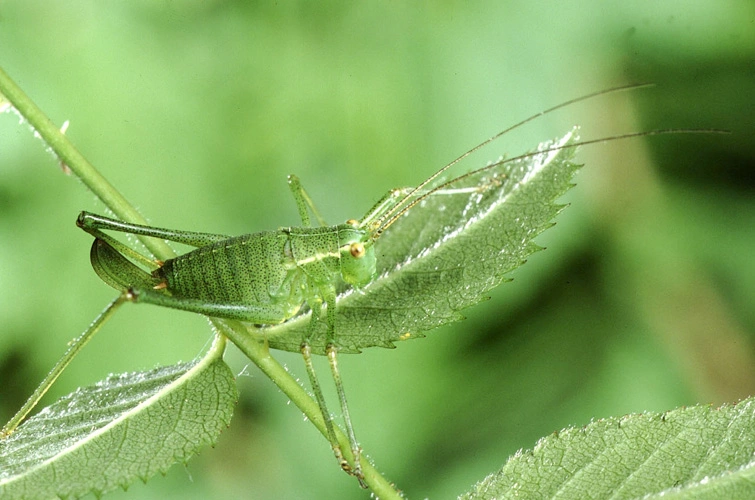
column 357, row 250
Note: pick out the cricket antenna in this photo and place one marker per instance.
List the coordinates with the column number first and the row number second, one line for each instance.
column 393, row 217
column 399, row 209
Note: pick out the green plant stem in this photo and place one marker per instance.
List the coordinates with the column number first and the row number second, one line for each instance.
column 73, row 159
column 255, row 350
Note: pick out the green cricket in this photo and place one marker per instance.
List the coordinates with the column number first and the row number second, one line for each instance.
column 269, row 277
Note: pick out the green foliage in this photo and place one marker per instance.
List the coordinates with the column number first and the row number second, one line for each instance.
column 450, row 248
column 699, row 452
column 126, row 427
column 198, row 110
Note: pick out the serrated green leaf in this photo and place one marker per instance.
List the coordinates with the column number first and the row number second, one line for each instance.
column 696, row 452
column 444, row 254
column 124, row 428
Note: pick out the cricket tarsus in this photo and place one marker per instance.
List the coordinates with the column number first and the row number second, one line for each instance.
column 265, row 278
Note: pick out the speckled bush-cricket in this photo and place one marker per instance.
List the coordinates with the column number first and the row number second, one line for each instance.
column 270, row 277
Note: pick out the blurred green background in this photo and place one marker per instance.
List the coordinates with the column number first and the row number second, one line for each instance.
column 198, row 110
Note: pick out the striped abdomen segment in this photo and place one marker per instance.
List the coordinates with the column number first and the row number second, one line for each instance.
column 241, row 270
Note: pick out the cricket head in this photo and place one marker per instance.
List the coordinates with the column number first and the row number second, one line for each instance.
column 357, row 254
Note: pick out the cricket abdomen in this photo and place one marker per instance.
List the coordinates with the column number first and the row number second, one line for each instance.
column 245, row 269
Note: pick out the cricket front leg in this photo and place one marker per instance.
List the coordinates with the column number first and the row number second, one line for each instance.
column 332, row 351
column 306, row 352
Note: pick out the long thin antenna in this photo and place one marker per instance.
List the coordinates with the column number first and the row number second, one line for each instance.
column 398, row 206
column 395, row 217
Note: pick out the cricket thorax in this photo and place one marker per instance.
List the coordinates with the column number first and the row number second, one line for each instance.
column 313, row 250
column 328, row 251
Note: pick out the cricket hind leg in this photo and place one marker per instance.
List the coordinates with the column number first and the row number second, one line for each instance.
column 95, row 224
column 264, row 314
